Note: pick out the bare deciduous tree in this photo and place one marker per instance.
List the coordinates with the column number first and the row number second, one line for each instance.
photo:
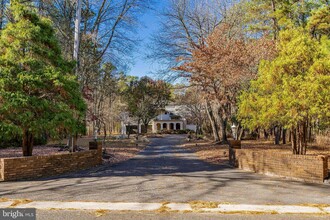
column 185, row 27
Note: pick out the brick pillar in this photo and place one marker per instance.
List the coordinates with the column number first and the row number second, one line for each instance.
column 2, row 170
column 98, row 147
column 324, row 160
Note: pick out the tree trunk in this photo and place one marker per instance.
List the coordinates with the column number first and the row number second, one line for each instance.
column 294, row 140
column 138, row 128
column 105, row 132
column 303, row 137
column 128, row 134
column 284, row 136
column 75, row 142
column 197, row 131
column 277, row 134
column 145, row 128
column 258, row 133
column 290, row 136
column 266, row 134
column 71, row 143
column 309, row 132
column 275, row 22
column 27, row 143
column 299, row 139
column 212, row 121
column 128, row 130
column 240, row 133
column 224, row 131
column 41, row 8
column 2, row 14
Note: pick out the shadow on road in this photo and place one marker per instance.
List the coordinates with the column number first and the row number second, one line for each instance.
column 164, row 171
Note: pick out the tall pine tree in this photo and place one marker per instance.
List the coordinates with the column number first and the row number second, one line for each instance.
column 38, row 91
column 292, row 90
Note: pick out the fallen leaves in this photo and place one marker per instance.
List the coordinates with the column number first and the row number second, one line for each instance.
column 100, row 213
column 123, row 150
column 209, row 152
column 4, row 200
column 20, row 202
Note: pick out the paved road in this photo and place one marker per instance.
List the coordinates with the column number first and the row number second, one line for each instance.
column 167, row 172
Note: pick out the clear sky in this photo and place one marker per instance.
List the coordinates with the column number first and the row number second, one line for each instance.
column 150, row 24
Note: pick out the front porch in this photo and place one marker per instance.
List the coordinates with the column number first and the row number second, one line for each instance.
column 173, row 125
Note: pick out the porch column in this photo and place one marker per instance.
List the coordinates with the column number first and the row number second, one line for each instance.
column 139, row 129
column 153, row 127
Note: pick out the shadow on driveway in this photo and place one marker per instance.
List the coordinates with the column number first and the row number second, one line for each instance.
column 164, row 171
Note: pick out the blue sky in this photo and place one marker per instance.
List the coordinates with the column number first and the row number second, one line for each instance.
column 150, row 24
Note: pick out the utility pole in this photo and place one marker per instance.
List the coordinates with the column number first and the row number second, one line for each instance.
column 72, row 138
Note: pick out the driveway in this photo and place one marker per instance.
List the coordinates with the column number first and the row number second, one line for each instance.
column 164, row 171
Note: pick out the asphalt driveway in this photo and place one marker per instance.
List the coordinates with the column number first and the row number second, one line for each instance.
column 164, row 171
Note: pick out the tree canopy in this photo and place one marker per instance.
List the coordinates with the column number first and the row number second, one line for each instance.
column 293, row 89
column 145, row 97
column 38, row 92
column 223, row 65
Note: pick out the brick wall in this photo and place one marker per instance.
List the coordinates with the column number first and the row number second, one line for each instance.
column 1, row 170
column 297, row 167
column 42, row 166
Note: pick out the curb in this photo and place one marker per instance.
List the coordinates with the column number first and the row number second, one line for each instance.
column 169, row 207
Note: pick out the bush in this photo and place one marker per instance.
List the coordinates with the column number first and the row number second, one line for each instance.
column 200, row 137
column 181, row 132
column 10, row 142
column 16, row 141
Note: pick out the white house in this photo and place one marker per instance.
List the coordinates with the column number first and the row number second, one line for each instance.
column 168, row 121
column 171, row 119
